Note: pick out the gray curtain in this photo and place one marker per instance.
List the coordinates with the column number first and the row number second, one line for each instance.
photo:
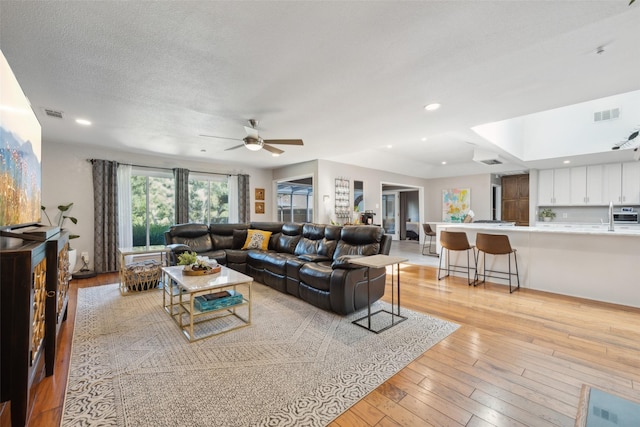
column 244, row 199
column 181, row 177
column 105, row 215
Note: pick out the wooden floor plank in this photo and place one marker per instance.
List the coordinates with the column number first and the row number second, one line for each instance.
column 517, row 359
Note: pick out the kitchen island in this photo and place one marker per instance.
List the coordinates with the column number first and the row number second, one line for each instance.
column 584, row 261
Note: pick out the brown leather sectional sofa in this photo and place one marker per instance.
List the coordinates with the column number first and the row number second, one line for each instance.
column 310, row 261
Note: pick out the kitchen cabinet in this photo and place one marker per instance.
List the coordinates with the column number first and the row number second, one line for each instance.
column 631, row 183
column 611, row 183
column 515, row 199
column 587, row 185
column 554, row 187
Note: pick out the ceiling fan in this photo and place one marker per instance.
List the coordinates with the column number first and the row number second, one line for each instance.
column 628, row 141
column 254, row 142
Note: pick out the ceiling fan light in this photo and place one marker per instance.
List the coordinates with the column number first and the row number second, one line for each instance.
column 253, row 144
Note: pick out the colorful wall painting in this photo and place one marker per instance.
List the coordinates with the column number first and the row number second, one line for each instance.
column 456, row 202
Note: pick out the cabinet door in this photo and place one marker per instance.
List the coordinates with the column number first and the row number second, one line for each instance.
column 631, row 183
column 562, row 186
column 545, row 187
column 578, row 185
column 595, row 185
column 612, row 183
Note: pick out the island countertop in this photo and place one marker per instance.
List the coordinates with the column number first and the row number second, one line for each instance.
column 579, row 260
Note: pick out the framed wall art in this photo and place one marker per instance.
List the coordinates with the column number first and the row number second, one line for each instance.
column 259, row 207
column 456, row 202
column 259, row 193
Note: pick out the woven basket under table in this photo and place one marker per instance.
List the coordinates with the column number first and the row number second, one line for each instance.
column 142, row 275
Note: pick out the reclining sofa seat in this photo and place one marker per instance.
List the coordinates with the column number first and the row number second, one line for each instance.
column 340, row 286
column 310, row 261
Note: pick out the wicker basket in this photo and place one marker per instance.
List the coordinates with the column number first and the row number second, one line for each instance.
column 143, row 275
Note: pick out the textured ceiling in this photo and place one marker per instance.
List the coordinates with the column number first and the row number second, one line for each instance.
column 349, row 78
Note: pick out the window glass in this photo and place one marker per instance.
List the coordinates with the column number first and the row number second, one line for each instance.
column 152, row 206
column 208, row 199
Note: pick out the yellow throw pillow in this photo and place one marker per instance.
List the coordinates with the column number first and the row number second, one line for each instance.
column 257, row 239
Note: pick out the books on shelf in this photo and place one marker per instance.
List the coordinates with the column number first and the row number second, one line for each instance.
column 217, row 300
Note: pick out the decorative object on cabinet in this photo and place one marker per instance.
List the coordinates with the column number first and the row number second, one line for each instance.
column 547, row 214
column 259, row 193
column 343, row 207
column 259, row 207
column 455, row 204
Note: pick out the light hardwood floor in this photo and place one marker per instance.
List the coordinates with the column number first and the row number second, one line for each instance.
column 516, row 360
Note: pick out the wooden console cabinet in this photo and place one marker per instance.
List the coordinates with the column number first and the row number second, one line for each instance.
column 33, row 295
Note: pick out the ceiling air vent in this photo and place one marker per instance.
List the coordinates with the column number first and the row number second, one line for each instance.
column 600, row 116
column 487, row 157
column 53, row 113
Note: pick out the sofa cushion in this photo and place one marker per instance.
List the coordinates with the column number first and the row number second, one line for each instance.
column 344, row 262
column 327, row 247
column 317, row 276
column 359, row 240
column 239, row 237
column 257, row 239
column 236, row 256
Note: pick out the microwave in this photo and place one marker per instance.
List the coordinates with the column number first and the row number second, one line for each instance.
column 625, row 217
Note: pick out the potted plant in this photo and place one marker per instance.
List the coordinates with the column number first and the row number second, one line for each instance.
column 62, row 209
column 547, row 214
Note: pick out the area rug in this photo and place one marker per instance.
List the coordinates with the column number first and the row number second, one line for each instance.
column 598, row 408
column 295, row 365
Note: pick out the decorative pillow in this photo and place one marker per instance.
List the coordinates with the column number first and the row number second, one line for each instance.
column 257, row 239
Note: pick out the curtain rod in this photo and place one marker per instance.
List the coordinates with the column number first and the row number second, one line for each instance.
column 170, row 169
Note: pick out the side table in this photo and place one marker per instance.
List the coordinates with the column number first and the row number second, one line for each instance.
column 379, row 261
column 162, row 250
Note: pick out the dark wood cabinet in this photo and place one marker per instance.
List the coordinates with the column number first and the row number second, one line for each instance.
column 33, row 299
column 515, row 199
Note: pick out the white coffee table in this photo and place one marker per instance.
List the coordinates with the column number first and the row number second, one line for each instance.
column 180, row 291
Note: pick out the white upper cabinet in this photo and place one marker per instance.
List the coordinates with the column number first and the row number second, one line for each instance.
column 594, row 185
column 612, row 183
column 631, row 183
column 579, row 185
column 554, row 187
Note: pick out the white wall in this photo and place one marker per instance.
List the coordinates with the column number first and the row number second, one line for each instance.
column 480, row 186
column 67, row 177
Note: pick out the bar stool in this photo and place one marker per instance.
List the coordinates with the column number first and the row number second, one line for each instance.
column 456, row 241
column 496, row 244
column 428, row 232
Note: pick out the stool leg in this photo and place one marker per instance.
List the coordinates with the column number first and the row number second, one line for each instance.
column 440, row 264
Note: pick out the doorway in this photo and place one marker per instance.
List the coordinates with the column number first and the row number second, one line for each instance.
column 391, row 214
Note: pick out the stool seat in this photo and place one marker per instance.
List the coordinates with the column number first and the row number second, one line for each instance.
column 456, row 241
column 496, row 244
column 428, row 232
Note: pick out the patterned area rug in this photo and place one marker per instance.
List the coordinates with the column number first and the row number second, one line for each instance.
column 295, row 365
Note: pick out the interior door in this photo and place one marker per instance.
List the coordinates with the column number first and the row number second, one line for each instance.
column 391, row 214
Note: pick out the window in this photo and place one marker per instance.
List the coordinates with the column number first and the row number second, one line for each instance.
column 208, row 199
column 152, row 206
column 295, row 200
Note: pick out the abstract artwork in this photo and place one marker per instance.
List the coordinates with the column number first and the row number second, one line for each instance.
column 455, row 204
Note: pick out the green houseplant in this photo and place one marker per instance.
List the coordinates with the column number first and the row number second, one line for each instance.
column 62, row 209
column 547, row 214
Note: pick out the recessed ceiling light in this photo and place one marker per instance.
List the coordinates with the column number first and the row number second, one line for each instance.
column 424, row 138
column 444, row 163
column 566, row 162
column 432, row 107
column 389, row 146
column 83, row 122
column 275, row 155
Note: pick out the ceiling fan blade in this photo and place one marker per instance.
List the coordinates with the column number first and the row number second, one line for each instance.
column 252, row 132
column 233, row 148
column 271, row 149
column 284, row 141
column 220, row 137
